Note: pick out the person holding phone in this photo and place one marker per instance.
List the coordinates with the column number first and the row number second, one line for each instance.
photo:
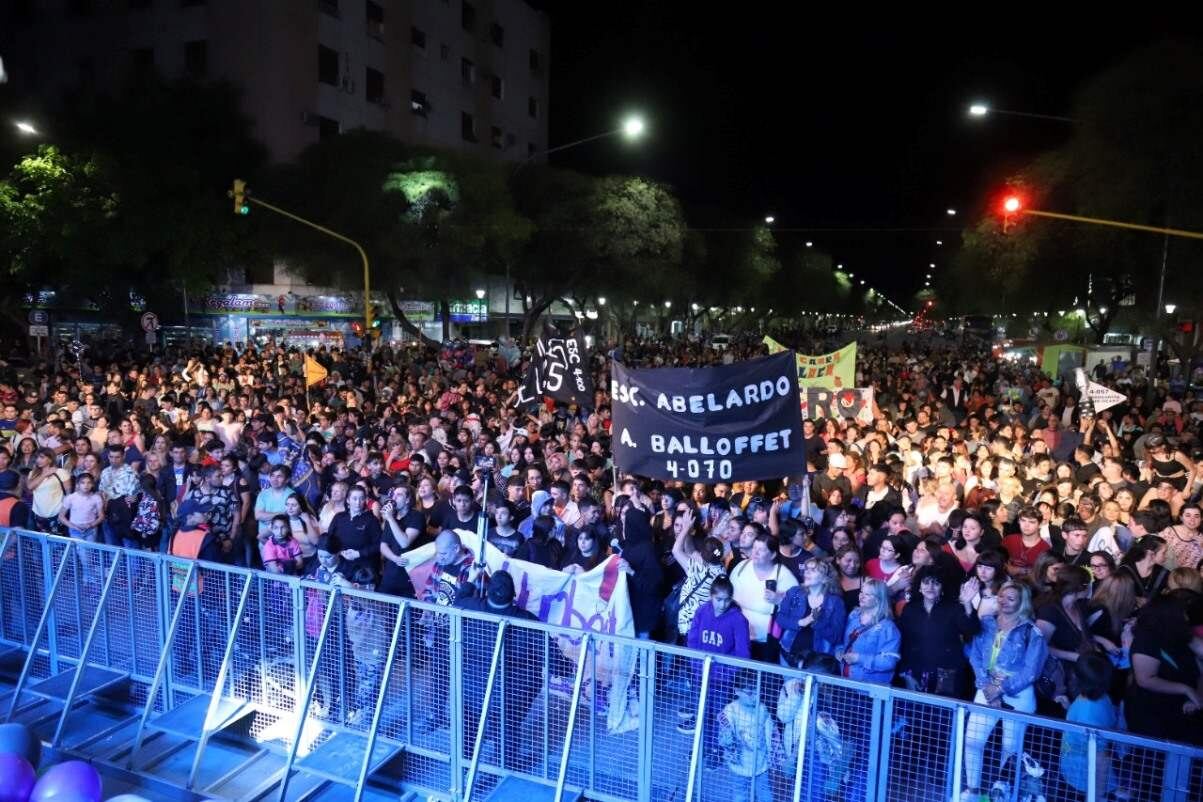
column 760, row 584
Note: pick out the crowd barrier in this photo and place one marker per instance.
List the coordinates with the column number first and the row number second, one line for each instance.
column 240, row 684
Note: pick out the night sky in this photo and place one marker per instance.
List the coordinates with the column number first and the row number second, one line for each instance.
column 845, row 122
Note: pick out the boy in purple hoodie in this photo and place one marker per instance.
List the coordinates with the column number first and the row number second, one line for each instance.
column 719, row 627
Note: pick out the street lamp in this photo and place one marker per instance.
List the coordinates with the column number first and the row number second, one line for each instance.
column 981, row 110
column 480, row 295
column 809, row 244
column 26, row 128
column 632, row 127
column 951, row 212
column 1169, row 308
column 668, row 304
column 769, row 220
column 601, row 301
column 939, row 242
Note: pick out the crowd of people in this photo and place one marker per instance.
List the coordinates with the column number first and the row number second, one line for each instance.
column 985, row 536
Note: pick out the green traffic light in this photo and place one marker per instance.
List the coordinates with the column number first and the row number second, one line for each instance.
column 244, row 209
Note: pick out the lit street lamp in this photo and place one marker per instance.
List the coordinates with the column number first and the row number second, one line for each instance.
column 1169, row 308
column 632, row 128
column 769, row 220
column 981, row 110
column 26, row 128
column 951, row 212
column 480, row 295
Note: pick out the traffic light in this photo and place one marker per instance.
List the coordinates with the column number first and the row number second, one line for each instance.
column 1011, row 206
column 239, row 193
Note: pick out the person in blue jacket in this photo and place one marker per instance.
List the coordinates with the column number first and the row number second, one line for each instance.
column 1007, row 656
column 872, row 645
column 812, row 615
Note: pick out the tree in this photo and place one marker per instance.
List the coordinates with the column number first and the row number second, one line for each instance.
column 623, row 233
column 1135, row 155
column 132, row 201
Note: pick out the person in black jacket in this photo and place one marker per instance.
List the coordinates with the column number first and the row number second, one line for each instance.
column 521, row 685
column 640, row 563
column 934, row 628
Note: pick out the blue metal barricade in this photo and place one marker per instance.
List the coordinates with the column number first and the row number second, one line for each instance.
column 326, row 685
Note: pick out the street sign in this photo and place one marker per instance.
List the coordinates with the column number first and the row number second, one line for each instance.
column 150, row 322
column 38, row 317
column 39, row 330
column 151, row 338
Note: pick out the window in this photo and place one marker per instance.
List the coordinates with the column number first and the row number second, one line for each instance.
column 328, row 7
column 497, row 34
column 510, row 140
column 373, row 86
column 532, row 107
column 467, row 17
column 80, row 8
column 536, row 62
column 444, row 52
column 327, row 128
column 467, row 126
column 530, row 149
column 327, row 65
column 495, row 137
column 467, row 71
column 497, row 86
column 417, row 37
column 374, row 14
column 196, row 58
column 418, row 103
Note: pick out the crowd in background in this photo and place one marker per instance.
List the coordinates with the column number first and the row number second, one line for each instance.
column 984, row 535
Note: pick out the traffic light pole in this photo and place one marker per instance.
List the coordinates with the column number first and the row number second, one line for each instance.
column 1098, row 221
column 367, row 272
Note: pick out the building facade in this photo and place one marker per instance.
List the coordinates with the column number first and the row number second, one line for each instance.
column 451, row 73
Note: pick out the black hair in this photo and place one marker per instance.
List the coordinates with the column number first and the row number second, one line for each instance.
column 1093, row 672
column 721, row 583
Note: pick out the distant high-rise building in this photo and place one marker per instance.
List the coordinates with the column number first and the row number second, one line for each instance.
column 452, row 73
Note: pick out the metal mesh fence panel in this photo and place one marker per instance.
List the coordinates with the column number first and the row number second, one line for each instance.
column 14, row 616
column 642, row 725
column 1140, row 773
column 919, row 749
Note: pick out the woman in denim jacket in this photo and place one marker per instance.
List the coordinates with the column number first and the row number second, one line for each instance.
column 1007, row 657
column 872, row 644
column 812, row 616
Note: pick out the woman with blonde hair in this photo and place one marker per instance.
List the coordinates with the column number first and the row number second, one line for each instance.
column 872, row 644
column 1007, row 656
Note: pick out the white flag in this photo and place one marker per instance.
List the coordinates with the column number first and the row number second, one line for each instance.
column 1104, row 397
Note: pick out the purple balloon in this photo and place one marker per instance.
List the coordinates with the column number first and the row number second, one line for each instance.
column 73, row 781
column 16, row 778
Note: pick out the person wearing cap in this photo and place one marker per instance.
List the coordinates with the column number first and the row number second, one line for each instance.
column 13, row 511
column 521, row 684
column 194, row 540
column 831, row 478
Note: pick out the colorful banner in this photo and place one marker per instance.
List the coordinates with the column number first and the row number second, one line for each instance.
column 833, row 371
column 596, row 600
column 855, row 403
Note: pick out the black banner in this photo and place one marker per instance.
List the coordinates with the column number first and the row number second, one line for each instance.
column 559, row 370
column 727, row 423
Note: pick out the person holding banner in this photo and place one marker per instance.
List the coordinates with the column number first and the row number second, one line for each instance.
column 640, row 562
